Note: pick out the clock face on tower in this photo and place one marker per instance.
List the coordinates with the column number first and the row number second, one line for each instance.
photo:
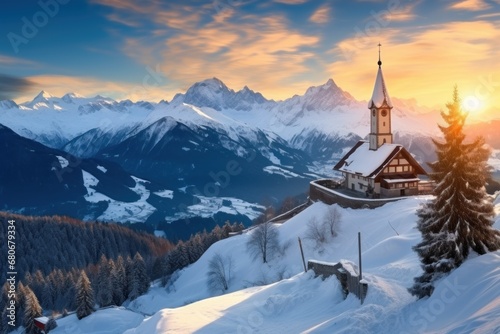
column 384, row 113
column 373, row 112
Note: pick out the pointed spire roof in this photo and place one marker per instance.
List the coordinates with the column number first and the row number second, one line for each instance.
column 380, row 94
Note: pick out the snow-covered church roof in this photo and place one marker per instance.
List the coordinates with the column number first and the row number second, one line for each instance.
column 380, row 93
column 362, row 161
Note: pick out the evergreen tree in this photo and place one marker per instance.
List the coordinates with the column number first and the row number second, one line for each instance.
column 119, row 277
column 140, row 279
column 104, row 294
column 32, row 310
column 20, row 303
column 84, row 296
column 459, row 218
column 4, row 326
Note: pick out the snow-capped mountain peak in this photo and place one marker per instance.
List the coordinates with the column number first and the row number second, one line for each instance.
column 326, row 95
column 8, row 104
column 213, row 93
column 42, row 96
column 42, row 100
column 70, row 97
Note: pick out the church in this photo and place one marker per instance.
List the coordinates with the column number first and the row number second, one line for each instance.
column 378, row 168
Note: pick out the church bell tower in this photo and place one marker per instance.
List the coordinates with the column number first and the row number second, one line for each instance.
column 380, row 106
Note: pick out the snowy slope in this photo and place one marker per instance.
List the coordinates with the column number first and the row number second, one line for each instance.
column 467, row 301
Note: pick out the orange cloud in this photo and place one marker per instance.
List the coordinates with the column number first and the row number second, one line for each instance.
column 58, row 85
column 7, row 60
column 473, row 5
column 427, row 65
column 321, row 15
column 291, row 2
column 261, row 52
column 400, row 14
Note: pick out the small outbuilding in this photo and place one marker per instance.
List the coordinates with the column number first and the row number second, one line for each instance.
column 45, row 324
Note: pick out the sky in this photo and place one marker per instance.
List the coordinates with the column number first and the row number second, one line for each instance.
column 152, row 49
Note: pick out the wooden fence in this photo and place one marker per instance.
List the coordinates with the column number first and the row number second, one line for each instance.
column 346, row 274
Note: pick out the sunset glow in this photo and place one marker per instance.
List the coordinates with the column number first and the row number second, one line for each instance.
column 472, row 104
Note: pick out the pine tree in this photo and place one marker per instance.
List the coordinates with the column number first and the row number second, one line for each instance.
column 104, row 293
column 119, row 281
column 140, row 279
column 32, row 310
column 84, row 296
column 459, row 218
column 20, row 303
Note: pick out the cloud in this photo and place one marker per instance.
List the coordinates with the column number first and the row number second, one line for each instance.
column 291, row 2
column 58, row 85
column 172, row 15
column 487, row 16
column 472, row 5
column 6, row 60
column 426, row 63
column 264, row 54
column 129, row 5
column 321, row 15
column 10, row 86
column 401, row 14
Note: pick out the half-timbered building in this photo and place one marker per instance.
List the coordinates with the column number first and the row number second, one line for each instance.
column 378, row 167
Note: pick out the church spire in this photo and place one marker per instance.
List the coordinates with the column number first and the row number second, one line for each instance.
column 380, row 95
column 380, row 106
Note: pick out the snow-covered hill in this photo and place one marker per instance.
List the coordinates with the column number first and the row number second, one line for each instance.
column 467, row 301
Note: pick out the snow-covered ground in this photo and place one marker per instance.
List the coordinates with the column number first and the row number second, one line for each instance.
column 140, row 210
column 137, row 211
column 467, row 301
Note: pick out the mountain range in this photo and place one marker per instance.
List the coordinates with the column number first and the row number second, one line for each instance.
column 152, row 162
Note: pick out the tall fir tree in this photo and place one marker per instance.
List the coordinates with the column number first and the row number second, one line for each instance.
column 119, row 278
column 459, row 218
column 84, row 296
column 32, row 310
column 104, row 290
column 140, row 279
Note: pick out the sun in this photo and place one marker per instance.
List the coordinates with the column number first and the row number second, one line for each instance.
column 472, row 104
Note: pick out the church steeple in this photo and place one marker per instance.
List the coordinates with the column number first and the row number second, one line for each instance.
column 380, row 106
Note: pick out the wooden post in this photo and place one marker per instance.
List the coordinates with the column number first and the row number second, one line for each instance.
column 360, row 277
column 359, row 250
column 302, row 253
